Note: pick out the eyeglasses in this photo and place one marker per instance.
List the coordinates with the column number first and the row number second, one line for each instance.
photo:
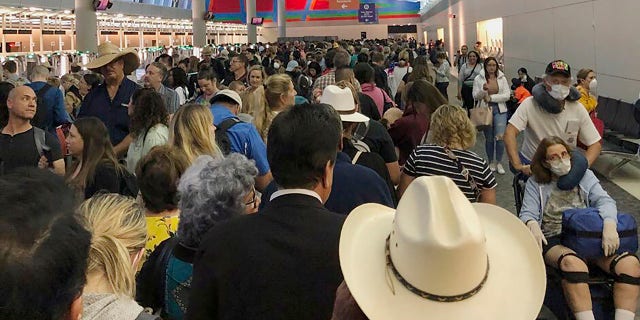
column 557, row 157
column 254, row 200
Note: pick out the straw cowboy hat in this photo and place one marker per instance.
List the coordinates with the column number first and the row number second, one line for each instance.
column 206, row 51
column 341, row 99
column 440, row 257
column 108, row 52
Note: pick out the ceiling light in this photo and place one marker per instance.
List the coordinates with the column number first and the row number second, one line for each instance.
column 119, row 15
column 67, row 11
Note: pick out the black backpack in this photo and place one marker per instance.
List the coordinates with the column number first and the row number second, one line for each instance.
column 303, row 86
column 41, row 108
column 128, row 184
column 222, row 137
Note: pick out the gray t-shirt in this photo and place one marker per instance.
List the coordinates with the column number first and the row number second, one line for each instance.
column 558, row 202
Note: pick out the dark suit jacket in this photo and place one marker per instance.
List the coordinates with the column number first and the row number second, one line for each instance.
column 279, row 264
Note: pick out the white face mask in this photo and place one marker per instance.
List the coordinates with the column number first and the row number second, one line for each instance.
column 593, row 85
column 559, row 91
column 276, row 65
column 560, row 167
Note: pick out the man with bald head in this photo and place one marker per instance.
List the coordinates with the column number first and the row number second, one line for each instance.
column 21, row 143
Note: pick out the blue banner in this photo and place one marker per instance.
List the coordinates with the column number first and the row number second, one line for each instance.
column 368, row 13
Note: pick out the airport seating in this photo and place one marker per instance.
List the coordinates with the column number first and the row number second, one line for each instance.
column 621, row 137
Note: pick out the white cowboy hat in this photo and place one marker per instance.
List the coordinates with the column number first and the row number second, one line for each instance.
column 108, row 52
column 440, row 257
column 342, row 100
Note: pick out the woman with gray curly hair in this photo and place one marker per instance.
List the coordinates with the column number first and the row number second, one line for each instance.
column 211, row 191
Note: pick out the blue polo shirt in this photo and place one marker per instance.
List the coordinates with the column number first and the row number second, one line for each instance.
column 244, row 138
column 112, row 112
column 353, row 185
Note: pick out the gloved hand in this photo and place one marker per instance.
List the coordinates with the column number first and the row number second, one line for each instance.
column 534, row 227
column 610, row 239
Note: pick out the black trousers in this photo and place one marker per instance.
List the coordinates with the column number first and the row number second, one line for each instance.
column 467, row 97
column 442, row 87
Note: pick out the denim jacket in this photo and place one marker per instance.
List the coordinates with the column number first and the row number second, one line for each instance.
column 536, row 197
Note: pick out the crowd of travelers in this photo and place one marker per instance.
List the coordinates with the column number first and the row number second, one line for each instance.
column 297, row 181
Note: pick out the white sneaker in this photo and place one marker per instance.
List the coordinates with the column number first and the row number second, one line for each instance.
column 500, row 169
column 492, row 167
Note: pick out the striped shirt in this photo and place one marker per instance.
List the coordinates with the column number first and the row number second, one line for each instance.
column 432, row 160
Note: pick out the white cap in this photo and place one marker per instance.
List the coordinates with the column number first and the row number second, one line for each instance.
column 230, row 94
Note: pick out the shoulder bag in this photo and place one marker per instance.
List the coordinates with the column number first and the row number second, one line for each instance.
column 481, row 115
column 465, row 172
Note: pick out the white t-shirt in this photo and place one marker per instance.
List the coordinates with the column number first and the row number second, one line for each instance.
column 158, row 135
column 570, row 124
column 182, row 95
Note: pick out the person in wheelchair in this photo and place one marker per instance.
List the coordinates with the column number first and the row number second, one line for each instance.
column 542, row 209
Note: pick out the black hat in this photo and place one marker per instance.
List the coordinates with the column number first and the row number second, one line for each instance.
column 558, row 67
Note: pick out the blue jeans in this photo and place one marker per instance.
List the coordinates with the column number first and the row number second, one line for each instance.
column 494, row 135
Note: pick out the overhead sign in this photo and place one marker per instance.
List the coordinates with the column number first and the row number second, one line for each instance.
column 367, row 13
column 343, row 4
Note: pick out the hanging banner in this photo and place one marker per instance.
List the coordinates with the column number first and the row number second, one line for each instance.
column 367, row 13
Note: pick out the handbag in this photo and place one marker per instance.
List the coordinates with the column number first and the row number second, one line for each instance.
column 481, row 115
column 582, row 232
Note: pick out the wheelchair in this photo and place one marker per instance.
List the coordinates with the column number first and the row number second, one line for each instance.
column 600, row 283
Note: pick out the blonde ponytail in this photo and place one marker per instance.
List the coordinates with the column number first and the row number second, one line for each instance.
column 274, row 87
column 119, row 230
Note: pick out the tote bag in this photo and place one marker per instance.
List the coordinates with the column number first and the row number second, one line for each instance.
column 481, row 115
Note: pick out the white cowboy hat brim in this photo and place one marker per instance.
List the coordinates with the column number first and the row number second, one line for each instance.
column 514, row 289
column 354, row 117
column 131, row 61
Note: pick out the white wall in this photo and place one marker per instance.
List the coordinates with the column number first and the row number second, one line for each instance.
column 596, row 34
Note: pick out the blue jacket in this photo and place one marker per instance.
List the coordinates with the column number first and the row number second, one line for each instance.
column 56, row 113
column 353, row 185
column 536, row 197
column 244, row 138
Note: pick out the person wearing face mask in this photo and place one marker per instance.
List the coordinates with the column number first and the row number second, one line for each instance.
column 542, row 209
column 526, row 80
column 553, row 110
column 587, row 85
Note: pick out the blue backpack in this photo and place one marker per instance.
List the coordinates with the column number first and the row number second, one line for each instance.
column 582, row 232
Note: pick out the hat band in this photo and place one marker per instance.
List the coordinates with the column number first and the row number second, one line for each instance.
column 427, row 295
column 348, row 112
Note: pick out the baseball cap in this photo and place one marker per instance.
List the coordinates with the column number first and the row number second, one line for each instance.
column 227, row 93
column 558, row 67
column 292, row 65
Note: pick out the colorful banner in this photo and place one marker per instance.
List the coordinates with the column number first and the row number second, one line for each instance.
column 182, row 4
column 367, row 13
column 310, row 10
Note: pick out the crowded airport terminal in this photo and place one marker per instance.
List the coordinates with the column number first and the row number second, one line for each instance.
column 319, row 160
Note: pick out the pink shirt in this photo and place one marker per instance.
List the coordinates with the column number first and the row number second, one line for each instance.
column 378, row 96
